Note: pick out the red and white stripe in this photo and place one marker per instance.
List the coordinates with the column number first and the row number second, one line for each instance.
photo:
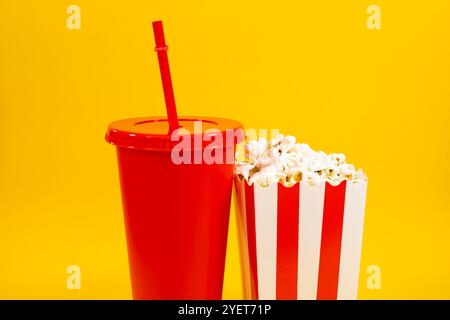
column 302, row 242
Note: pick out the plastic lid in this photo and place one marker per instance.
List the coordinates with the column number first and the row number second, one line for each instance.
column 152, row 133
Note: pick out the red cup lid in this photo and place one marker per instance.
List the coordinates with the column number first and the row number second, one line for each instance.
column 152, row 133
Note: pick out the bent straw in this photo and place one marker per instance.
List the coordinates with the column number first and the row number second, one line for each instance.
column 161, row 50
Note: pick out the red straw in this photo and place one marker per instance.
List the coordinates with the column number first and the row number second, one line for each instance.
column 161, row 49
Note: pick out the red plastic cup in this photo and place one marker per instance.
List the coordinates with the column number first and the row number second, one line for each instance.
column 176, row 216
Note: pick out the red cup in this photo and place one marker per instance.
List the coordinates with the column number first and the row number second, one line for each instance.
column 176, row 216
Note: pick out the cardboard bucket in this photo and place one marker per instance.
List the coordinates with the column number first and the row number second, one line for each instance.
column 300, row 242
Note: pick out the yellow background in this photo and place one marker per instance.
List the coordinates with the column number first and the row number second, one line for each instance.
column 310, row 68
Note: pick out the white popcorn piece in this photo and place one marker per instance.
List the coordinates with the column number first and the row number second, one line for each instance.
column 265, row 177
column 243, row 170
column 283, row 160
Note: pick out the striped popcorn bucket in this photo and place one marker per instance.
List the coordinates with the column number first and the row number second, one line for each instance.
column 300, row 242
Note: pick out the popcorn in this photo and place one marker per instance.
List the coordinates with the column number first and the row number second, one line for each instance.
column 283, row 160
column 244, row 169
